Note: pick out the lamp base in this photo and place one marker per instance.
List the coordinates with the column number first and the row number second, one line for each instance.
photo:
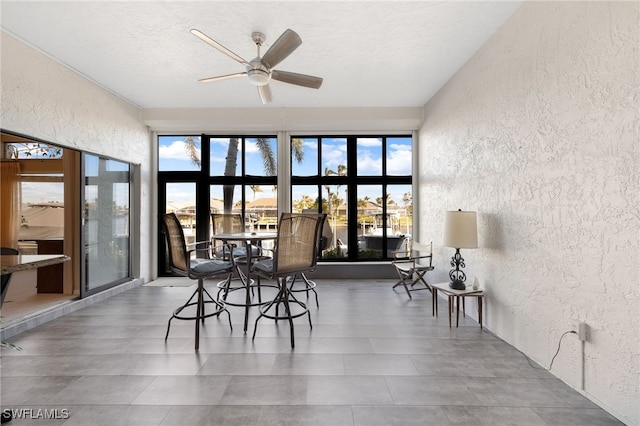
column 457, row 285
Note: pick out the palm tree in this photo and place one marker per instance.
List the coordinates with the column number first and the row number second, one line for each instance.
column 191, row 146
column 268, row 161
column 304, row 203
column 328, row 172
column 387, row 198
column 407, row 199
column 230, row 170
column 255, row 188
column 342, row 171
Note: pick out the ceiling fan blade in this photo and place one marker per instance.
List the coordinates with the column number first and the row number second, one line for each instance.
column 222, row 77
column 297, row 79
column 265, row 93
column 202, row 36
column 283, row 46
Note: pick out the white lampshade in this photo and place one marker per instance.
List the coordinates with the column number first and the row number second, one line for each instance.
column 460, row 230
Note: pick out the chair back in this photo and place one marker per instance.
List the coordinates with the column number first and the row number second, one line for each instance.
column 326, row 233
column 423, row 252
column 175, row 243
column 403, row 248
column 8, row 251
column 225, row 223
column 297, row 242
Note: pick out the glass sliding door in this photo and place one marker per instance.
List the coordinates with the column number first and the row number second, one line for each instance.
column 105, row 223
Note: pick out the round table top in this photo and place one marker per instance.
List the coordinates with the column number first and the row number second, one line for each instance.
column 246, row 236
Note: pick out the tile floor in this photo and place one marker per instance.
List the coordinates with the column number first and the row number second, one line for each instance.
column 373, row 357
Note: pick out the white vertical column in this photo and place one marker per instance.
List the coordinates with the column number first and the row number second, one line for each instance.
column 284, row 173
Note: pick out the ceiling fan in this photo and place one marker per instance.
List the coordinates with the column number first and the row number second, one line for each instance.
column 260, row 70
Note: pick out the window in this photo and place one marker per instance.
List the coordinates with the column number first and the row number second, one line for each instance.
column 363, row 183
column 179, row 153
column 106, row 233
column 200, row 175
column 42, row 189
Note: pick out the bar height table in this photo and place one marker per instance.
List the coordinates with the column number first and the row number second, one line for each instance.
column 249, row 238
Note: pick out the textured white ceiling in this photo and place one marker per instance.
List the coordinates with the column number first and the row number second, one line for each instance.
column 370, row 54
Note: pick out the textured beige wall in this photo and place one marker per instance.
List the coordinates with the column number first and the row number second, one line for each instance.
column 539, row 133
column 43, row 99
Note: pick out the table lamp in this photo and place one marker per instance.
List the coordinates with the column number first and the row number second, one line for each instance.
column 460, row 231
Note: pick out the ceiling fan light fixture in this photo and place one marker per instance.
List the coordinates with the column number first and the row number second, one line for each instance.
column 258, row 77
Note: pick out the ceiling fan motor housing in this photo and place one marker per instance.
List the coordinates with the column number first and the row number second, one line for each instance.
column 258, row 74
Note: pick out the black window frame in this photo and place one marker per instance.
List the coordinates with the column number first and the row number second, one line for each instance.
column 352, row 180
column 203, row 182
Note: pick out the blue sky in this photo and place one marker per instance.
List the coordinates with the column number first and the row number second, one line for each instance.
column 173, row 156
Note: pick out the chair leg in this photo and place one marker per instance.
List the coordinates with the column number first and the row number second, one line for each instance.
column 402, row 282
column 287, row 309
column 406, row 289
column 309, row 286
column 176, row 313
column 166, row 336
column 200, row 316
column 224, row 289
column 199, row 310
column 284, row 297
column 420, row 277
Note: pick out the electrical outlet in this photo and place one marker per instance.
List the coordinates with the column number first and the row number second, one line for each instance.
column 574, row 326
column 582, row 331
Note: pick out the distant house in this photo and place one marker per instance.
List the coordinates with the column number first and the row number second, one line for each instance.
column 265, row 208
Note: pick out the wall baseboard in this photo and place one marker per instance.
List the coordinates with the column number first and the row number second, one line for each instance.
column 352, row 270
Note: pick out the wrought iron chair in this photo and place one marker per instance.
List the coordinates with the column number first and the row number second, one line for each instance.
column 310, row 285
column 6, row 278
column 412, row 261
column 228, row 223
column 182, row 262
column 296, row 252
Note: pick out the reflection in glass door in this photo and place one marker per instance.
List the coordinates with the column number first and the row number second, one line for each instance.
column 105, row 224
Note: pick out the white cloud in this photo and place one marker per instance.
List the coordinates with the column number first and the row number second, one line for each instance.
column 310, row 144
column 250, row 147
column 372, row 166
column 333, row 156
column 220, row 141
column 181, row 193
column 369, row 142
column 175, row 151
column 399, row 160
